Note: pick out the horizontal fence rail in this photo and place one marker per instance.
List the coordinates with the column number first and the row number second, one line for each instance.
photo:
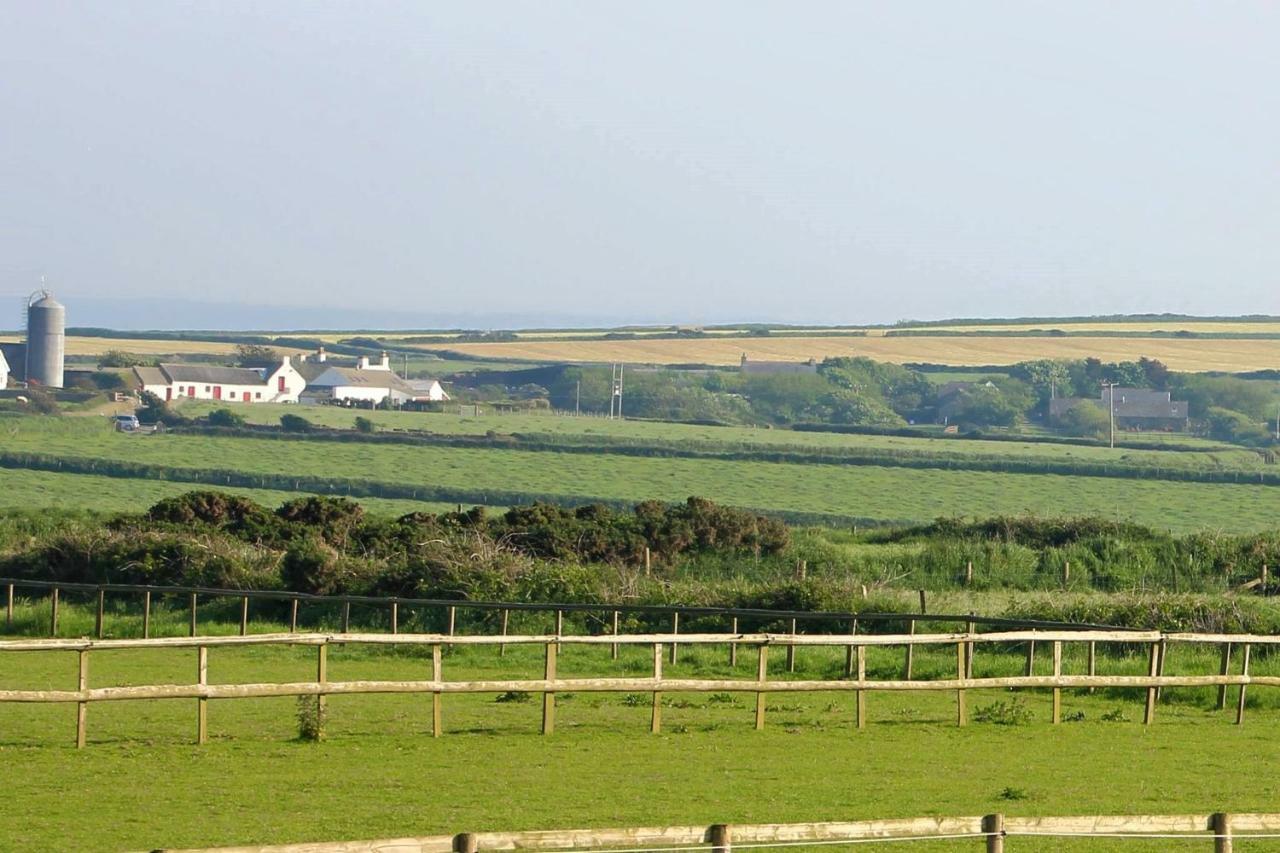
column 855, row 646
column 991, row 832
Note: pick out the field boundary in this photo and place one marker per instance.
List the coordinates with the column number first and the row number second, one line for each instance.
column 855, row 646
column 991, row 831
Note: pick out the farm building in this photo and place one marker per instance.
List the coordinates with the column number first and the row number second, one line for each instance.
column 4, row 370
column 367, row 382
column 283, row 384
column 771, row 368
column 1135, row 408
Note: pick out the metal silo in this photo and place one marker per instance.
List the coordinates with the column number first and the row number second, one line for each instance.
column 46, row 339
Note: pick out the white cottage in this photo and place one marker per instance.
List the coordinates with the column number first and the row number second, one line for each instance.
column 282, row 384
column 368, row 382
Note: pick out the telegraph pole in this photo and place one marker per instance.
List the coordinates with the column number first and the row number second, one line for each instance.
column 577, row 398
column 1109, row 388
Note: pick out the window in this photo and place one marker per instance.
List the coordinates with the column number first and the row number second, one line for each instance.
column 257, row 395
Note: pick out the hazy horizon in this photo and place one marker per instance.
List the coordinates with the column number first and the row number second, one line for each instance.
column 559, row 164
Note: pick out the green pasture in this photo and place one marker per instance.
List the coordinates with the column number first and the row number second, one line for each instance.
column 141, row 783
column 859, row 491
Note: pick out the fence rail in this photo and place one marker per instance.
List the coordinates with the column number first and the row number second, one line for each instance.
column 992, row 831
column 855, row 645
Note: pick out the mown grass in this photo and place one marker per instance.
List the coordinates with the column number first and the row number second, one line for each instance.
column 142, row 784
column 857, row 491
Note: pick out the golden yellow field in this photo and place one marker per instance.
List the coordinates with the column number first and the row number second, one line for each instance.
column 98, row 346
column 1178, row 354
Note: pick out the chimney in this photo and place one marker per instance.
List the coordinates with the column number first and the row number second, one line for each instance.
column 321, row 355
column 285, row 361
column 302, row 359
column 385, row 362
column 362, row 363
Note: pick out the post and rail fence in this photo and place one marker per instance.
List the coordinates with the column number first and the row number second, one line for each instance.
column 553, row 681
column 994, row 833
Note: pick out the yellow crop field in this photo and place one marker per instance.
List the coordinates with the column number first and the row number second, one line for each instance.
column 98, row 346
column 1230, row 327
column 1194, row 355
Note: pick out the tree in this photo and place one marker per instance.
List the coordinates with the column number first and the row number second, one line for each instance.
column 1236, row 427
column 1087, row 420
column 295, row 423
column 119, row 358
column 225, row 418
column 365, row 425
column 255, row 355
column 1157, row 374
column 985, row 405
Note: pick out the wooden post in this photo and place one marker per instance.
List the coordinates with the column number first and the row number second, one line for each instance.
column 506, row 622
column 146, row 614
column 193, row 614
column 102, row 606
column 993, row 826
column 655, row 721
column 862, row 693
column 82, row 708
column 1093, row 660
column 849, row 650
column 1263, row 577
column 969, row 650
column 762, row 674
column 647, row 567
column 548, row 697
column 53, row 612
column 923, row 608
column 720, row 837
column 244, row 615
column 1220, row 825
column 559, row 622
column 791, row 650
column 346, row 617
column 1150, row 714
column 1057, row 673
column 293, row 616
column 8, row 612
column 733, row 647
column 1162, row 651
column 437, row 675
column 202, row 704
column 613, row 649
column 466, row 842
column 968, row 574
column 1244, row 670
column 395, row 616
column 1226, row 670
column 322, row 678
column 906, row 668
column 961, row 668
column 1031, row 657
column 1066, row 573
column 802, row 569
column 675, row 629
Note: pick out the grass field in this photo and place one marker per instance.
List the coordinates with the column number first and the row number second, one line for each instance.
column 380, row 774
column 857, row 491
column 1179, row 354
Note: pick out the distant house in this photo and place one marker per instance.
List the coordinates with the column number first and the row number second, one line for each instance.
column 13, row 357
column 4, row 371
column 368, row 382
column 1135, row 409
column 282, row 384
column 952, row 398
column 773, row 368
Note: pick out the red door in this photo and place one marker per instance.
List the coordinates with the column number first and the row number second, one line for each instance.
column 217, row 392
column 191, row 391
column 168, row 393
column 280, row 386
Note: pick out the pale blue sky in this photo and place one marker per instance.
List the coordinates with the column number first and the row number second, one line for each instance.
column 703, row 161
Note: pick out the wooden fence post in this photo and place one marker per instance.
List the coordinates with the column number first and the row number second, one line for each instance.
column 1220, row 825
column 647, row 567
column 437, row 675
column 961, row 667
column 146, row 614
column 102, row 606
column 293, row 616
column 655, row 721
column 53, row 612
column 1150, row 714
column 1031, row 658
column 1160, row 656
column 346, row 617
column 849, row 650
column 993, row 827
column 82, row 708
column 1066, row 573
column 193, row 614
column 613, row 649
column 968, row 574
column 907, row 664
column 720, row 838
column 1093, row 660
column 322, row 677
column 923, row 603
column 395, row 616
column 1226, row 670
column 791, row 650
column 1057, row 674
column 202, row 704
column 969, row 650
column 506, row 622
column 762, row 674
column 8, row 612
column 559, row 622
column 733, row 647
column 1244, row 670
column 549, row 697
column 862, row 693
column 244, row 615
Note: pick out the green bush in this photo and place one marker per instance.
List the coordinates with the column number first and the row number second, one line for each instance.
column 295, row 423
column 225, row 418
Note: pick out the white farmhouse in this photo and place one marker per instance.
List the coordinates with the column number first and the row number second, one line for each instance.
column 282, row 384
column 372, row 383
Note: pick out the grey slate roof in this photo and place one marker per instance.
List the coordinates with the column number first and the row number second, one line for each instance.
column 351, row 377
column 778, row 367
column 212, row 374
column 150, row 376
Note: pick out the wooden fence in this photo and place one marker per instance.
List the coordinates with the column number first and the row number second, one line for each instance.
column 855, row 645
column 991, row 831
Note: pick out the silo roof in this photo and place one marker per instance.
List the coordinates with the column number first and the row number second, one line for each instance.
column 46, row 301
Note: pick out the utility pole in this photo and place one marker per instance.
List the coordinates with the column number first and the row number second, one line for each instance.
column 615, row 392
column 1109, row 388
column 577, row 398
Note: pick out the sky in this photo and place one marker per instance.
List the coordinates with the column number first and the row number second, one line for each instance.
column 407, row 164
